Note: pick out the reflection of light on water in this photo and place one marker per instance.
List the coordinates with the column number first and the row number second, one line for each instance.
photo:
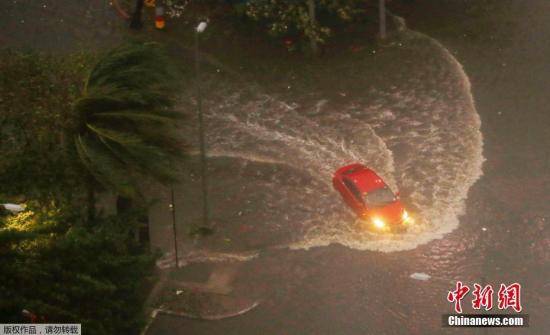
column 357, row 237
column 425, row 141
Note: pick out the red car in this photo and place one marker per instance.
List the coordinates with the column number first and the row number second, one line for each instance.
column 370, row 198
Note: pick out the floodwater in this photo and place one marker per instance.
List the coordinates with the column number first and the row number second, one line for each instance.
column 418, row 129
column 462, row 136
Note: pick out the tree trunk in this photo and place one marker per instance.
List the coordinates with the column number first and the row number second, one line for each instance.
column 136, row 22
column 313, row 22
column 125, row 206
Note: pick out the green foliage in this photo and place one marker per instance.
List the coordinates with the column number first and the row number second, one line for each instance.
column 292, row 18
column 67, row 273
column 36, row 91
column 63, row 120
column 125, row 133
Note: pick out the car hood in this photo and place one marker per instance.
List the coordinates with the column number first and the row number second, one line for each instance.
column 391, row 213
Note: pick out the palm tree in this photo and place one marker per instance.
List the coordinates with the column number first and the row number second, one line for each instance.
column 125, row 115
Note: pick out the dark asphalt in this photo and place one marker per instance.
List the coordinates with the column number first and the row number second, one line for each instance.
column 336, row 290
column 504, row 46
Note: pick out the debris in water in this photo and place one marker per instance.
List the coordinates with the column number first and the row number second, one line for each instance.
column 420, row 276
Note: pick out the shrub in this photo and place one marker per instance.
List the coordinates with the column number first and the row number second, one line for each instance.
column 65, row 272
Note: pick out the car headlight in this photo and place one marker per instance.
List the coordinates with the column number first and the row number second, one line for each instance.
column 378, row 223
column 406, row 218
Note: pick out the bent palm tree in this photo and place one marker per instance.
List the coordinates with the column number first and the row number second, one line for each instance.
column 125, row 116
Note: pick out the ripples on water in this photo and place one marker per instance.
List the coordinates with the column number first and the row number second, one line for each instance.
column 421, row 134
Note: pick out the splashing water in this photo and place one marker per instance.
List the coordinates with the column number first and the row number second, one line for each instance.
column 420, row 132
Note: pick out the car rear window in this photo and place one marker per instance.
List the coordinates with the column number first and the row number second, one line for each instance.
column 353, row 169
column 354, row 190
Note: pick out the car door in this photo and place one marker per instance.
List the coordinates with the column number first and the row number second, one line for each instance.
column 353, row 197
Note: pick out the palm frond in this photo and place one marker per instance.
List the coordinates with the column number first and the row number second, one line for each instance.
column 127, row 118
column 130, row 62
column 149, row 160
column 167, row 118
column 119, row 137
column 107, row 171
column 111, row 98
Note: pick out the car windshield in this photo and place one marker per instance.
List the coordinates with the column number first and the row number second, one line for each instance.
column 379, row 197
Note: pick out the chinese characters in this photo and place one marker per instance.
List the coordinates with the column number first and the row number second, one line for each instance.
column 508, row 296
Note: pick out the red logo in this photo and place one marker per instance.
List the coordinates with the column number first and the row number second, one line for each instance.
column 457, row 295
column 482, row 297
column 508, row 296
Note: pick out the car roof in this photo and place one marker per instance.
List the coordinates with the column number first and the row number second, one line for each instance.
column 365, row 179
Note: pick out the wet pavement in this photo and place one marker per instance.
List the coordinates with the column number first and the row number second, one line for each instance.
column 59, row 26
column 503, row 235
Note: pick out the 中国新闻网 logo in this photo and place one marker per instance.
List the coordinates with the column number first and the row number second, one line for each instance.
column 509, row 296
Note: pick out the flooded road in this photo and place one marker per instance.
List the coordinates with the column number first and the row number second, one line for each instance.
column 418, row 128
column 337, row 281
column 463, row 135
